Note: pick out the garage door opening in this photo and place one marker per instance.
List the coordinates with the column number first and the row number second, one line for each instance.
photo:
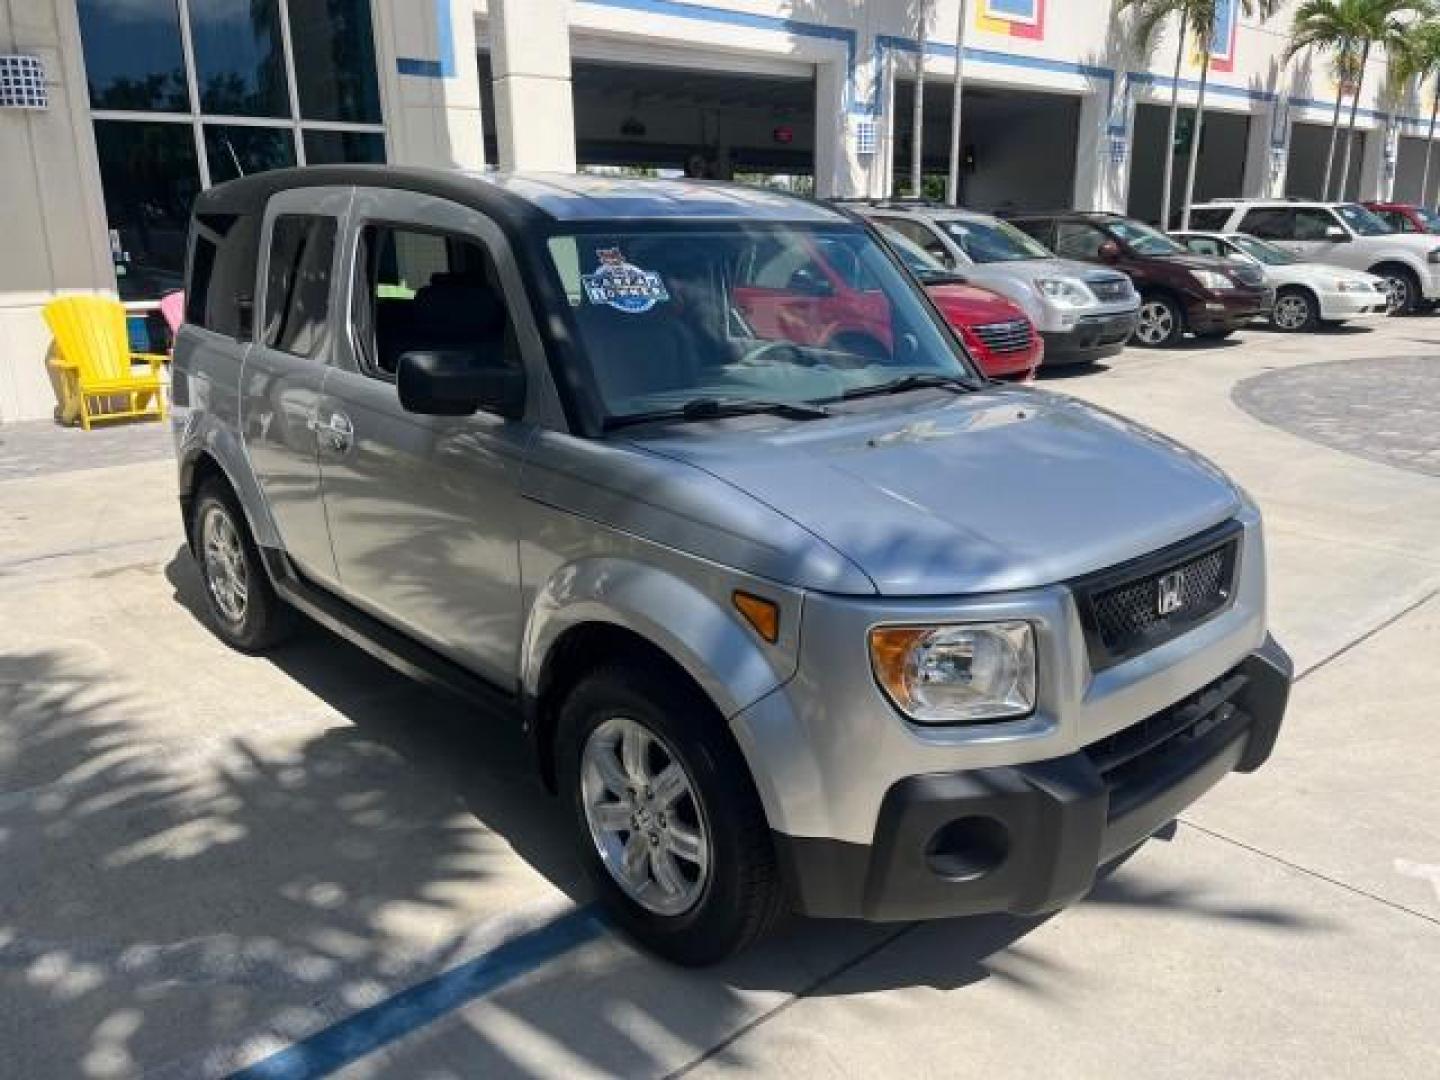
column 1219, row 171
column 1018, row 148
column 1305, row 173
column 661, row 121
column 1410, row 170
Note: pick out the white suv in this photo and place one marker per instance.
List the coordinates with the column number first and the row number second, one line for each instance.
column 1341, row 234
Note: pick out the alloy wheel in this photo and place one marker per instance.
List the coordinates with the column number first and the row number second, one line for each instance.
column 1397, row 293
column 225, row 573
column 1291, row 312
column 644, row 816
column 1156, row 323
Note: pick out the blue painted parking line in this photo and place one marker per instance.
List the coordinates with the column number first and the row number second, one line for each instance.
column 356, row 1036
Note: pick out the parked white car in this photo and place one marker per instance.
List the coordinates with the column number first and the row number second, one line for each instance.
column 1339, row 234
column 1306, row 293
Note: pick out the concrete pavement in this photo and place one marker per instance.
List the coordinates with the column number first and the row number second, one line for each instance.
column 209, row 857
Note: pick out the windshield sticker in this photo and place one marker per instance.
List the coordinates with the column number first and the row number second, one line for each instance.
column 622, row 285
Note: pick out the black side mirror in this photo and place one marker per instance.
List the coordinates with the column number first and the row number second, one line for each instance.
column 457, row 382
column 1336, row 235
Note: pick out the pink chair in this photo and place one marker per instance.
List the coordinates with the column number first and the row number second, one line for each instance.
column 172, row 309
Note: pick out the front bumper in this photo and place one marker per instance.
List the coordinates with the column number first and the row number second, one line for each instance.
column 1029, row 838
column 1229, row 309
column 1352, row 305
column 1093, row 337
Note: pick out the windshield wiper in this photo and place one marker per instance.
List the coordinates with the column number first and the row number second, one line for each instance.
column 914, row 382
column 709, row 408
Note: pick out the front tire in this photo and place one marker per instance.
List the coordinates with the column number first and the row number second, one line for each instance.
column 671, row 830
column 1295, row 312
column 1161, row 324
column 1402, row 290
column 244, row 611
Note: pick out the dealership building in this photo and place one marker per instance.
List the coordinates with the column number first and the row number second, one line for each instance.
column 114, row 113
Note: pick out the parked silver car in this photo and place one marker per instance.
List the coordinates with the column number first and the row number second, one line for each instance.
column 1083, row 312
column 788, row 625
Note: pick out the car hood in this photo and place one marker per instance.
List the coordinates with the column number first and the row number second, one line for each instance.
column 970, row 305
column 942, row 495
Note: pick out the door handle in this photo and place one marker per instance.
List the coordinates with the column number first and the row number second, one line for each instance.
column 337, row 432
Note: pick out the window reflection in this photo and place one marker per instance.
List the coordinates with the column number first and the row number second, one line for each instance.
column 133, row 58
column 239, row 57
column 340, row 147
column 150, row 178
column 334, row 60
column 235, row 151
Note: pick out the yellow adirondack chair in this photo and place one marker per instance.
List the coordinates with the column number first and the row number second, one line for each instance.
column 96, row 366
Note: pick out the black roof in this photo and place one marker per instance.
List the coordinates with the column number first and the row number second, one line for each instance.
column 536, row 197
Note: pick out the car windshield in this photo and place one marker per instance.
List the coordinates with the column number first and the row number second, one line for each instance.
column 1140, row 238
column 1430, row 218
column 992, row 240
column 1267, row 253
column 744, row 317
column 1361, row 221
column 916, row 259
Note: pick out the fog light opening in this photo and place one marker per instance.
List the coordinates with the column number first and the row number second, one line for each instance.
column 967, row 848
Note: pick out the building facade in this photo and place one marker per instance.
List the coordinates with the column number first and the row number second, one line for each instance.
column 147, row 101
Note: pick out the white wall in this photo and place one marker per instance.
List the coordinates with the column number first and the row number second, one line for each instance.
column 54, row 232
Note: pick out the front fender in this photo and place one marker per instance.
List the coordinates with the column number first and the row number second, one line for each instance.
column 693, row 623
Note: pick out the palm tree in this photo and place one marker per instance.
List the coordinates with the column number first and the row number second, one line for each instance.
column 1419, row 59
column 1349, row 29
column 1197, row 19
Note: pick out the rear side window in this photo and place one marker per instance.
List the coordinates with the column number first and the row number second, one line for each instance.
column 1397, row 221
column 1203, row 245
column 1269, row 223
column 1211, row 219
column 297, row 283
column 220, row 284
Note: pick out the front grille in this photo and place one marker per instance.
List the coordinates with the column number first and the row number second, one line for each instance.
column 1109, row 290
column 1005, row 337
column 1139, row 605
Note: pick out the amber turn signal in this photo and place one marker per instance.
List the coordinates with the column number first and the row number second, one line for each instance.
column 889, row 650
column 762, row 614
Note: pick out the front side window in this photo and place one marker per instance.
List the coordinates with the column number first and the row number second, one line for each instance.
column 668, row 317
column 1270, row 223
column 1396, row 220
column 1315, row 224
column 921, row 236
column 1078, row 240
column 1141, row 238
column 297, row 283
column 1430, row 218
column 421, row 290
column 993, row 241
column 1361, row 221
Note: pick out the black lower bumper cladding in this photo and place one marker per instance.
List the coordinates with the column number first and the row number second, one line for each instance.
column 1027, row 839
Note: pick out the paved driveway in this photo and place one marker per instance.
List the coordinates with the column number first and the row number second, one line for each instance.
column 304, row 863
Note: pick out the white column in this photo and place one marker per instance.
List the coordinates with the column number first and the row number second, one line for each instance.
column 534, row 111
column 55, row 239
column 1102, row 177
column 839, row 171
column 1377, row 163
column 431, row 83
column 1267, row 152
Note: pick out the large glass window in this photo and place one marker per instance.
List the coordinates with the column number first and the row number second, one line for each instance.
column 239, row 57
column 339, row 147
column 133, row 58
column 335, row 60
column 236, row 150
column 150, row 177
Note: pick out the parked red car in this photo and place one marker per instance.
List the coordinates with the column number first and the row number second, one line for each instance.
column 824, row 302
column 1406, row 217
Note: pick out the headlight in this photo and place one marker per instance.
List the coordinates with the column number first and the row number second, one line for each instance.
column 956, row 674
column 1064, row 293
column 1212, row 280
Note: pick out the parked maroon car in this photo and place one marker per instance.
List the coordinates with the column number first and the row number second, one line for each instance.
column 1405, row 217
column 995, row 329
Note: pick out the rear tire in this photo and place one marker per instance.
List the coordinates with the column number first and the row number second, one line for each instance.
column 1161, row 324
column 1295, row 311
column 692, row 877
column 244, row 610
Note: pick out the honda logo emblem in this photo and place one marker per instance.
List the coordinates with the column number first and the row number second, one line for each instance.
column 1170, row 592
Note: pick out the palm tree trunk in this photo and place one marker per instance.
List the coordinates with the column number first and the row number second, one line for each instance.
column 917, row 122
column 1170, row 132
column 952, row 184
column 1429, row 145
column 1350, row 131
column 1195, row 133
column 1334, row 136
